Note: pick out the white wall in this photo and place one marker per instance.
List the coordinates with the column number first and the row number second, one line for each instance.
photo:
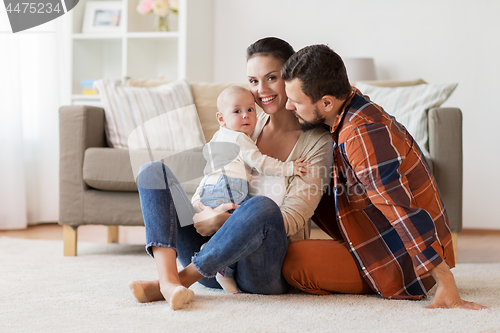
column 440, row 41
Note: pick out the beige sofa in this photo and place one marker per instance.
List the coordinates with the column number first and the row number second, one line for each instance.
column 97, row 183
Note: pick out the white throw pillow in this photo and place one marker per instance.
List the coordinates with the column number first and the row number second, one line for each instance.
column 167, row 113
column 409, row 105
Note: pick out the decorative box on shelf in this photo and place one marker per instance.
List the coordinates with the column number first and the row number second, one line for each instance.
column 87, row 86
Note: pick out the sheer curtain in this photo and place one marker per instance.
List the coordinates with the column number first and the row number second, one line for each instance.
column 32, row 67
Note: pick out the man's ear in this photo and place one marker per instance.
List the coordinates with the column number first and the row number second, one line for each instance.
column 220, row 119
column 331, row 104
column 328, row 103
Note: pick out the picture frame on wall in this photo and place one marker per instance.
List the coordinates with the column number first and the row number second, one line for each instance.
column 103, row 16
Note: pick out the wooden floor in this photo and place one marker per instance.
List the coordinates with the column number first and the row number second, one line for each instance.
column 473, row 245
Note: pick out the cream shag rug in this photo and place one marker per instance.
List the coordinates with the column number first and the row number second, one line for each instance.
column 42, row 291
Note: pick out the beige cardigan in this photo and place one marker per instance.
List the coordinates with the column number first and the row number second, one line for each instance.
column 304, row 193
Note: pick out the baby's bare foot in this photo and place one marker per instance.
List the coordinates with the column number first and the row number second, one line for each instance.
column 177, row 295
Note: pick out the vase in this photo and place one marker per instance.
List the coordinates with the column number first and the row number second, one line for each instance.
column 161, row 23
column 167, row 22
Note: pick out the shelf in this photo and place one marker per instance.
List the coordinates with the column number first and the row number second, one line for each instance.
column 86, row 97
column 88, row 36
column 153, row 35
column 131, row 35
column 186, row 51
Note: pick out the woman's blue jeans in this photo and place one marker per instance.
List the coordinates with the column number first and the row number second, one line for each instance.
column 253, row 237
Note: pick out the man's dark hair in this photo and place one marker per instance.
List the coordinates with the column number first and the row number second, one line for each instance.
column 271, row 46
column 321, row 72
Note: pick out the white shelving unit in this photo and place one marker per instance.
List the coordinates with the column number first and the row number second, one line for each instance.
column 138, row 51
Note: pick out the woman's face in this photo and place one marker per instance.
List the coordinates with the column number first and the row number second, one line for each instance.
column 265, row 83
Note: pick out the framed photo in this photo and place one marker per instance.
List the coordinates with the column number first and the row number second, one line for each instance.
column 103, row 16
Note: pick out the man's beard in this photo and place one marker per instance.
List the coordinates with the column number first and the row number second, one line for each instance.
column 309, row 125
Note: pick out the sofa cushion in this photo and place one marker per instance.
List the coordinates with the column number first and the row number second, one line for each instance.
column 144, row 83
column 205, row 97
column 409, row 105
column 391, row 83
column 108, row 169
column 167, row 114
column 111, row 169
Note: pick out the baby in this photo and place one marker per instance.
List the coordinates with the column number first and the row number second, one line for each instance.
column 231, row 155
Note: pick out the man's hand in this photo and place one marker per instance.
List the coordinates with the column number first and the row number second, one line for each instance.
column 209, row 220
column 447, row 292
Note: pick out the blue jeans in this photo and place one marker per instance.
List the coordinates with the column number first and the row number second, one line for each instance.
column 226, row 190
column 253, row 237
column 214, row 195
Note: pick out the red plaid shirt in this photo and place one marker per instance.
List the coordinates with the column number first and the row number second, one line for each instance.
column 388, row 207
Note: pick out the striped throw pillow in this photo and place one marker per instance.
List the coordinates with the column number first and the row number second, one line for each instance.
column 163, row 116
column 409, row 105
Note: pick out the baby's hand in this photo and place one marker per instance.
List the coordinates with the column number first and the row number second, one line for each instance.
column 299, row 167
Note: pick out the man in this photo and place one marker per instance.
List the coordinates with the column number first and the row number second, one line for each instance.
column 384, row 212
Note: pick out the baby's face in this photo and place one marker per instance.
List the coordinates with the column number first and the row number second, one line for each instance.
column 239, row 113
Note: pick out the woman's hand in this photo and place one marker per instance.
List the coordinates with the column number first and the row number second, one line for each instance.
column 209, row 220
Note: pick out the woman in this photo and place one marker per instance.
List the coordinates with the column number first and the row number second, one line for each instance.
column 256, row 235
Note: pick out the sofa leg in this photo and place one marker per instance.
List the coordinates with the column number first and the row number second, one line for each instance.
column 113, row 234
column 454, row 238
column 70, row 236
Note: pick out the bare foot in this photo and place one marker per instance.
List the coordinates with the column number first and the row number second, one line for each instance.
column 170, row 284
column 228, row 284
column 146, row 291
column 176, row 295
